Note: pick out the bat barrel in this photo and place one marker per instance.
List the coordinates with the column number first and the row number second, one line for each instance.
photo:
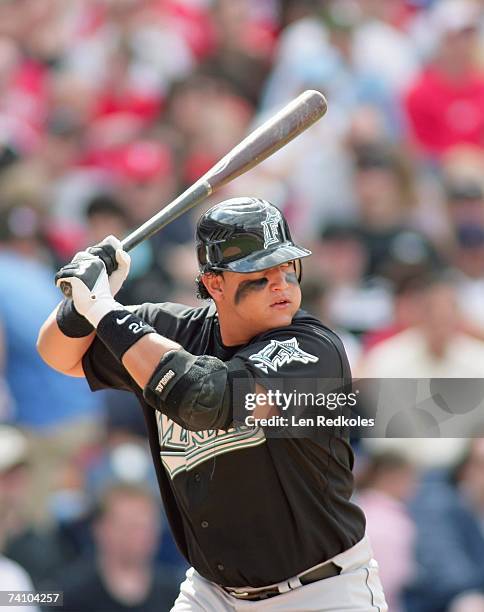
column 269, row 137
column 272, row 135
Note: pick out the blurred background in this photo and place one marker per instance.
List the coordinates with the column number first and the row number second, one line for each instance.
column 109, row 109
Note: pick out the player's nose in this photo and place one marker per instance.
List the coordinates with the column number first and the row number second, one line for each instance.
column 277, row 279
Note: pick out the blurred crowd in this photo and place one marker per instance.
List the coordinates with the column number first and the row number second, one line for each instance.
column 111, row 108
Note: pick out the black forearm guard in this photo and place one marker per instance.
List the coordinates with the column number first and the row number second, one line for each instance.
column 120, row 329
column 192, row 391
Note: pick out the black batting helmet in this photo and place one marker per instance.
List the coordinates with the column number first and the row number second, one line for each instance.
column 244, row 235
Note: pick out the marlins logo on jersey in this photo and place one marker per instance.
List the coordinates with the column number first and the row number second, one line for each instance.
column 182, row 450
column 271, row 227
column 281, row 352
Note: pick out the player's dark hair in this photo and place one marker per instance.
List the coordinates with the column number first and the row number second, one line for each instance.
column 202, row 293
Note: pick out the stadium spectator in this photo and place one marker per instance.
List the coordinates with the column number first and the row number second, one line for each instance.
column 315, row 301
column 123, row 576
column 386, row 201
column 407, row 304
column 13, row 577
column 245, row 38
column 106, row 214
column 384, row 488
column 40, row 552
column 123, row 457
column 61, row 400
column 469, row 261
column 465, row 202
column 449, row 542
column 353, row 302
column 381, row 45
column 433, row 348
column 444, row 104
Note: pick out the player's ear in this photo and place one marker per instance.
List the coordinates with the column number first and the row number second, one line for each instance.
column 213, row 284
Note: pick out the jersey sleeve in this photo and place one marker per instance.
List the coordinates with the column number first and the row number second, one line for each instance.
column 304, row 371
column 300, row 353
column 104, row 371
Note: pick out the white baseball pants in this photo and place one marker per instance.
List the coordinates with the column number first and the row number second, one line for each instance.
column 356, row 589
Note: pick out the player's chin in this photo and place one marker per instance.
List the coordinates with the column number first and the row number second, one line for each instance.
column 281, row 316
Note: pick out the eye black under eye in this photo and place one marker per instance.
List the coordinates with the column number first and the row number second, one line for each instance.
column 249, row 285
column 258, row 282
column 291, row 277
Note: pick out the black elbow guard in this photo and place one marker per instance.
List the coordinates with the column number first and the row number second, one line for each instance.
column 192, row 391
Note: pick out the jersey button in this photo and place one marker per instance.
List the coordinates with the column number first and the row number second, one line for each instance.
column 197, row 477
column 220, row 567
column 204, row 524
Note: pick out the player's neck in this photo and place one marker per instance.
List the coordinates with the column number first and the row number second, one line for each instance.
column 232, row 336
column 233, row 332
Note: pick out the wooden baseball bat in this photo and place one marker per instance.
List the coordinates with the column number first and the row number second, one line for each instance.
column 268, row 138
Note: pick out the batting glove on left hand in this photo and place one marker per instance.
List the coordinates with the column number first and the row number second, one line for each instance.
column 91, row 293
column 116, row 260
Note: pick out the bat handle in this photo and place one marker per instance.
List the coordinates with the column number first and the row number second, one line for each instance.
column 66, row 289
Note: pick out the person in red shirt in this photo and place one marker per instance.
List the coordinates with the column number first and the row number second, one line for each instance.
column 445, row 104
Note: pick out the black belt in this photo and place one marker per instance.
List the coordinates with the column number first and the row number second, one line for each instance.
column 319, row 573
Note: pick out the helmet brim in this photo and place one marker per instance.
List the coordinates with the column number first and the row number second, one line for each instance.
column 269, row 258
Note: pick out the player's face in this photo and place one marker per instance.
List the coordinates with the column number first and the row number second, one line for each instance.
column 255, row 302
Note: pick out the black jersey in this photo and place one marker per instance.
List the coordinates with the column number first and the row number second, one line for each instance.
column 246, row 508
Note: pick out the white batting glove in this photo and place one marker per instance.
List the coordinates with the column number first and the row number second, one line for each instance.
column 91, row 292
column 119, row 275
column 111, row 251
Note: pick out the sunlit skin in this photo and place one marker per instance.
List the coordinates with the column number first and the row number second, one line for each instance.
column 249, row 304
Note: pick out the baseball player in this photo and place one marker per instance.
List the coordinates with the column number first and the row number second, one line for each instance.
column 265, row 520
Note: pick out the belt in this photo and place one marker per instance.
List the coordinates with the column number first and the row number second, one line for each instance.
column 328, row 570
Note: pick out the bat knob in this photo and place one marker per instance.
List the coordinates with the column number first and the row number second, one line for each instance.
column 66, row 289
